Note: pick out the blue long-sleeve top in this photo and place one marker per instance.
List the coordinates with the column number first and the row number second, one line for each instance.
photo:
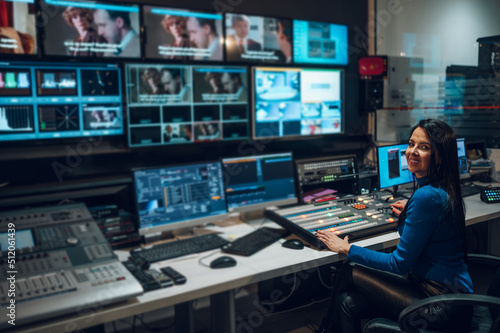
column 429, row 246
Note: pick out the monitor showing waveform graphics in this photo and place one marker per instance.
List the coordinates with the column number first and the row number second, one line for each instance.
column 178, row 104
column 297, row 101
column 256, row 182
column 392, row 166
column 176, row 197
column 59, row 100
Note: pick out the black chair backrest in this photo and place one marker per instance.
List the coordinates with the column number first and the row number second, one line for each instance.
column 494, row 290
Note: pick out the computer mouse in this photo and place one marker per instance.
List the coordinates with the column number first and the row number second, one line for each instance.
column 295, row 244
column 223, row 262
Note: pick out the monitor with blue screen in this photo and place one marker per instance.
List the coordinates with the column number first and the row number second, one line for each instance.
column 392, row 166
column 297, row 101
column 255, row 182
column 44, row 100
column 463, row 164
column 178, row 197
column 319, row 43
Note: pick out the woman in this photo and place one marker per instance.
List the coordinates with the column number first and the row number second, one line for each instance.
column 176, row 26
column 152, row 80
column 430, row 257
column 81, row 19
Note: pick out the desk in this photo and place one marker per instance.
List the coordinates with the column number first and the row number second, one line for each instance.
column 274, row 261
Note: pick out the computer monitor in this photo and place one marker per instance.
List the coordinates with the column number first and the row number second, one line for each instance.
column 256, row 182
column 297, row 101
column 182, row 34
column 251, row 38
column 18, row 33
column 325, row 178
column 393, row 167
column 44, row 100
column 90, row 29
column 463, row 164
column 178, row 197
column 179, row 104
column 319, row 43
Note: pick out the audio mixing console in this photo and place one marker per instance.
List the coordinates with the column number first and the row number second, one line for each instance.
column 356, row 217
column 55, row 261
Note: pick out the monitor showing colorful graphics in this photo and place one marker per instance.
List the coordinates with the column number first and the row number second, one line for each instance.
column 297, row 101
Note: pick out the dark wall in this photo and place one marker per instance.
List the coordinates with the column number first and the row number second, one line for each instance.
column 81, row 161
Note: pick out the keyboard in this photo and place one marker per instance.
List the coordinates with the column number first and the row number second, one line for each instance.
column 254, row 241
column 180, row 248
column 468, row 190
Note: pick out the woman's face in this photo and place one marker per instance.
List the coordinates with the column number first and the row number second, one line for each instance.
column 418, row 153
column 80, row 20
column 177, row 27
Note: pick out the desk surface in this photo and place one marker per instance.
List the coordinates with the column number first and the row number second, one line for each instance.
column 274, row 261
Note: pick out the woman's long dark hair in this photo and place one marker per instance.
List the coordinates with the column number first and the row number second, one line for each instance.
column 443, row 171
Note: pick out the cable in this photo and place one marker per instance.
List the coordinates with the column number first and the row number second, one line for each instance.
column 4, row 184
column 209, row 255
column 321, row 280
column 291, row 292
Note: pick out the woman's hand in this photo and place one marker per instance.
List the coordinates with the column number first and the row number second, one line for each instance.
column 398, row 206
column 334, row 242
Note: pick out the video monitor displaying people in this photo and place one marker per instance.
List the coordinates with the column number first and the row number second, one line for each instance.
column 258, row 39
column 178, row 104
column 90, row 29
column 319, row 43
column 297, row 101
column 17, row 27
column 45, row 100
column 182, row 34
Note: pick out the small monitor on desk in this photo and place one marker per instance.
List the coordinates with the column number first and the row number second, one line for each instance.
column 255, row 182
column 393, row 167
column 463, row 164
column 177, row 197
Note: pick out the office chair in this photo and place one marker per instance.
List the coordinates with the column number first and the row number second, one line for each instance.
column 486, row 318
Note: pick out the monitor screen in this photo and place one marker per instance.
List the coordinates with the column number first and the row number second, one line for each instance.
column 463, row 164
column 324, row 178
column 59, row 100
column 297, row 101
column 175, row 197
column 177, row 104
column 17, row 27
column 91, row 29
column 254, row 182
column 182, row 34
column 392, row 166
column 258, row 39
column 319, row 43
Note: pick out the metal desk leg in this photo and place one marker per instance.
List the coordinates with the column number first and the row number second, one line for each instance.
column 222, row 311
column 184, row 318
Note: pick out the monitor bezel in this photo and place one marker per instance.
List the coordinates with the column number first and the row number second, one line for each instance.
column 178, row 225
column 174, row 61
column 315, row 63
column 295, row 137
column 378, row 167
column 266, row 204
column 257, row 62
